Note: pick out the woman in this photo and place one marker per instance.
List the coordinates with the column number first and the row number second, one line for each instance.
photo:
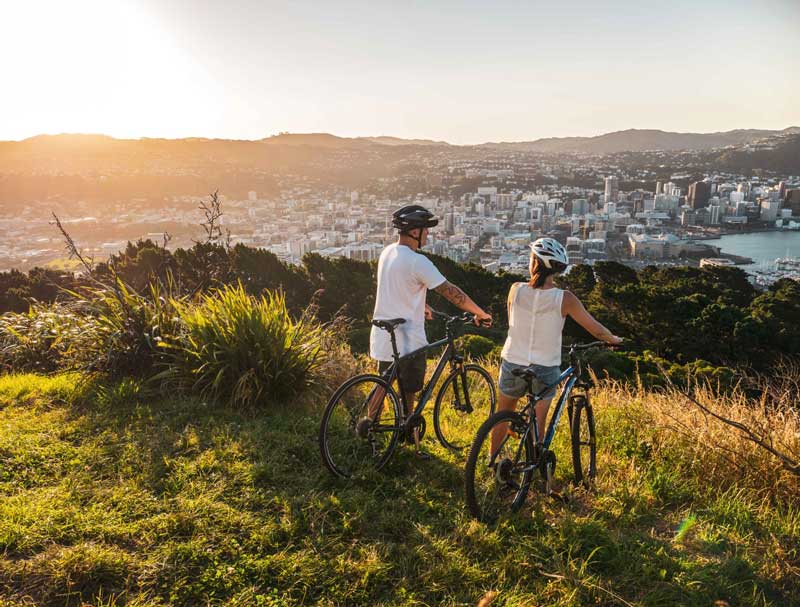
column 536, row 313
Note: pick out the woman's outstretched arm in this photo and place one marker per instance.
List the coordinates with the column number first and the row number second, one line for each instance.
column 573, row 308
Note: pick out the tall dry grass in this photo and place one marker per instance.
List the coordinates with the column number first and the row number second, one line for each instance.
column 709, row 451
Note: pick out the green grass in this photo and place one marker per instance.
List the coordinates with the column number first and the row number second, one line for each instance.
column 113, row 496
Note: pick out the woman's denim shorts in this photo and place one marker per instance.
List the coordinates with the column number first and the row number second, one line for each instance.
column 515, row 387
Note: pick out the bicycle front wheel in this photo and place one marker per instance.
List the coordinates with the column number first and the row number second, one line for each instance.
column 463, row 403
column 584, row 443
column 360, row 427
column 497, row 480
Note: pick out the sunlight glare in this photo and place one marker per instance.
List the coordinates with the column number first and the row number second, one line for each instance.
column 95, row 66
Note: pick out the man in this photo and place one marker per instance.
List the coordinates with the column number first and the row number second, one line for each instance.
column 404, row 277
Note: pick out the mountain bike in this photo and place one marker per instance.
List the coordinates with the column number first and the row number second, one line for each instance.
column 366, row 418
column 498, row 482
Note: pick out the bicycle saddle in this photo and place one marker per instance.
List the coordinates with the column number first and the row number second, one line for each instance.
column 526, row 372
column 388, row 325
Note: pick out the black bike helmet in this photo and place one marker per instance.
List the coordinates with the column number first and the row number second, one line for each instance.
column 413, row 216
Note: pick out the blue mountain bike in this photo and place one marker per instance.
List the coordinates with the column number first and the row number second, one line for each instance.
column 497, row 482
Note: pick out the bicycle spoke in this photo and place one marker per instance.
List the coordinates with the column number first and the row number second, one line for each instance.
column 497, row 480
column 360, row 428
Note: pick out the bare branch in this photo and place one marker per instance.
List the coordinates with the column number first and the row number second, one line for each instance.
column 72, row 248
column 213, row 213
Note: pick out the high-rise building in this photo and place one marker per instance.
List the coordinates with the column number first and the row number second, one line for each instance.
column 659, row 188
column 688, row 217
column 713, row 215
column 769, row 210
column 699, row 194
column 792, row 201
column 450, row 223
column 580, row 206
column 504, row 201
column 612, row 189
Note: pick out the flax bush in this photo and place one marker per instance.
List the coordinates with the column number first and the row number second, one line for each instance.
column 131, row 328
column 246, row 351
column 46, row 338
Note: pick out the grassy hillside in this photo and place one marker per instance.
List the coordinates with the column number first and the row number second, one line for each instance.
column 112, row 496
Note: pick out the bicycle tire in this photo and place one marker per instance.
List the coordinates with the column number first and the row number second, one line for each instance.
column 490, row 486
column 584, row 442
column 456, row 429
column 334, row 433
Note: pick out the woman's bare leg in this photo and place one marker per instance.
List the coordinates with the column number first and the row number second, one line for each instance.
column 504, row 403
column 542, row 407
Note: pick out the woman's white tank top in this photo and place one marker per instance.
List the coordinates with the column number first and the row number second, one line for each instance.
column 534, row 327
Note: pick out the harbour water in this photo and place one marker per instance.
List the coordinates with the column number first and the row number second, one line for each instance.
column 762, row 247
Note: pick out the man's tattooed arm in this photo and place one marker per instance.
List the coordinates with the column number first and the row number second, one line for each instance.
column 455, row 295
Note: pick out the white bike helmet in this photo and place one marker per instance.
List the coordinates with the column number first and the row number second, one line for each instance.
column 551, row 252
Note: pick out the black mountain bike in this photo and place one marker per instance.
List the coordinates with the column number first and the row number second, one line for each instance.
column 498, row 482
column 365, row 418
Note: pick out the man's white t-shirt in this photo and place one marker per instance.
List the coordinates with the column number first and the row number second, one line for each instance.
column 404, row 278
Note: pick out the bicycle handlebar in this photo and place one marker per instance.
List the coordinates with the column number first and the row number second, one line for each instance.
column 465, row 317
column 593, row 344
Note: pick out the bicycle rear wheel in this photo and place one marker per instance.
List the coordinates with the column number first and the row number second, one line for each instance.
column 360, row 427
column 455, row 426
column 497, row 483
column 584, row 443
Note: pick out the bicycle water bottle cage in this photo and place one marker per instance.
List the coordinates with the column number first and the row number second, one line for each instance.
column 388, row 325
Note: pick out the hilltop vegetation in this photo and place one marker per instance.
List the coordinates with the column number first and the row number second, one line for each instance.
column 114, row 495
column 169, row 457
column 678, row 315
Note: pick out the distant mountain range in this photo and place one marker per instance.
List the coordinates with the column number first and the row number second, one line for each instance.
column 631, row 140
column 326, row 140
column 69, row 154
column 641, row 140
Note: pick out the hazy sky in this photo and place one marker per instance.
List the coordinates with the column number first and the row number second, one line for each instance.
column 464, row 72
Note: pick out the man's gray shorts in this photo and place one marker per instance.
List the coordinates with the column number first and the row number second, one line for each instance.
column 515, row 387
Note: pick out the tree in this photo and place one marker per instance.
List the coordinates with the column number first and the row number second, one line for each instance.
column 580, row 281
column 614, row 274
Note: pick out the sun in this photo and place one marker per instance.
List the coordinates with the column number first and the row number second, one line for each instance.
column 98, row 66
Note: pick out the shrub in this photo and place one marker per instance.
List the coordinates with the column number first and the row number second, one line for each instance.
column 131, row 328
column 46, row 338
column 245, row 350
column 478, row 346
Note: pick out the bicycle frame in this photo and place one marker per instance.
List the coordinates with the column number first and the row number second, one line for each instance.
column 448, row 356
column 570, row 374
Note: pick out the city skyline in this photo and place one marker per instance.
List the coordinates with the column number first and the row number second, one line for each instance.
column 454, row 72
